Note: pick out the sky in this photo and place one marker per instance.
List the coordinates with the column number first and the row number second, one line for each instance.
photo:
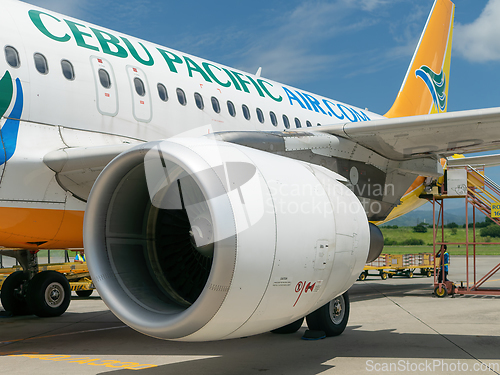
column 354, row 51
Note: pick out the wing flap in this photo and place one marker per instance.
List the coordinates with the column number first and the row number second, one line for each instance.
column 437, row 135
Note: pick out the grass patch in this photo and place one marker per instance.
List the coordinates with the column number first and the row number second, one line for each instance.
column 452, row 249
column 402, row 234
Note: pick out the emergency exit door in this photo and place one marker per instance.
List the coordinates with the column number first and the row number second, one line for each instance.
column 106, row 87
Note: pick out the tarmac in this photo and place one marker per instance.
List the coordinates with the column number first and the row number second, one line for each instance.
column 396, row 326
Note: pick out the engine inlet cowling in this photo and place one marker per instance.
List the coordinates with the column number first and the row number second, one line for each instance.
column 198, row 239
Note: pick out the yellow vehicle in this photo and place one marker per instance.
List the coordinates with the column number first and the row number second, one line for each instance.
column 388, row 265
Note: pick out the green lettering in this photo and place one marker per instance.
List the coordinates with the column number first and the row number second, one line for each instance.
column 261, row 83
column 35, row 18
column 106, row 39
column 170, row 58
column 79, row 35
column 193, row 67
column 235, row 82
column 133, row 51
column 242, row 82
column 211, row 74
column 256, row 86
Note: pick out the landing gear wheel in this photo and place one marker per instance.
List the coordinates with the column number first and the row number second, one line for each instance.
column 331, row 318
column 12, row 296
column 429, row 273
column 362, row 276
column 410, row 274
column 48, row 294
column 383, row 275
column 84, row 293
column 289, row 328
column 441, row 293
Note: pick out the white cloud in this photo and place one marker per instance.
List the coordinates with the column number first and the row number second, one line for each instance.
column 301, row 45
column 370, row 5
column 480, row 40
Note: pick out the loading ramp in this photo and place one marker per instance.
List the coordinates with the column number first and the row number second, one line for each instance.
column 480, row 194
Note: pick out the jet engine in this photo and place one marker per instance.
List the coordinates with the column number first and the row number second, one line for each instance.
column 197, row 239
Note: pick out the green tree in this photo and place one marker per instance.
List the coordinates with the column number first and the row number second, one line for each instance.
column 492, row 230
column 420, row 228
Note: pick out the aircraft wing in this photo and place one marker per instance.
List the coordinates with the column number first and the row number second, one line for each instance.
column 404, row 138
column 413, row 137
column 474, row 161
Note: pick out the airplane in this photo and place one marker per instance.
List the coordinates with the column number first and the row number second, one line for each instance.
column 211, row 203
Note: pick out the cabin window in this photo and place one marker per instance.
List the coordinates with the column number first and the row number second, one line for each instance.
column 274, row 120
column 12, row 57
column 181, row 97
column 286, row 122
column 260, row 115
column 41, row 63
column 297, row 123
column 308, row 124
column 140, row 89
column 104, row 78
column 215, row 104
column 230, row 108
column 199, row 100
column 246, row 111
column 67, row 69
column 162, row 92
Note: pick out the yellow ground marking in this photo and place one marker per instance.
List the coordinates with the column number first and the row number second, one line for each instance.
column 85, row 361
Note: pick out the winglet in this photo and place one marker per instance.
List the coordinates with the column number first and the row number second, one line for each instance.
column 425, row 87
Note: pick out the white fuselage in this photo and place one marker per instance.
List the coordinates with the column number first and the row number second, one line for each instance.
column 58, row 112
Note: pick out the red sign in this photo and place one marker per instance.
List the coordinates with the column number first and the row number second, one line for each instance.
column 303, row 287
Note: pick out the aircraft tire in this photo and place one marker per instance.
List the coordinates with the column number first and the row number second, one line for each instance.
column 84, row 293
column 289, row 328
column 48, row 294
column 12, row 300
column 331, row 318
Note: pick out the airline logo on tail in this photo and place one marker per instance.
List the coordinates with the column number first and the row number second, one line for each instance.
column 436, row 83
column 10, row 130
column 430, row 64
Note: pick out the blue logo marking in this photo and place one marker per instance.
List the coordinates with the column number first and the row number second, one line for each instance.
column 10, row 129
column 436, row 83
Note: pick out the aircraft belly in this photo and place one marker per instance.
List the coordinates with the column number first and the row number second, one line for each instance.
column 40, row 228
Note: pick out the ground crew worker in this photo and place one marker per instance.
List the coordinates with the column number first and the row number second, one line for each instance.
column 446, row 260
column 80, row 257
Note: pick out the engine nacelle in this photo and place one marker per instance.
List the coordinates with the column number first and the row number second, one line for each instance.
column 197, row 239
